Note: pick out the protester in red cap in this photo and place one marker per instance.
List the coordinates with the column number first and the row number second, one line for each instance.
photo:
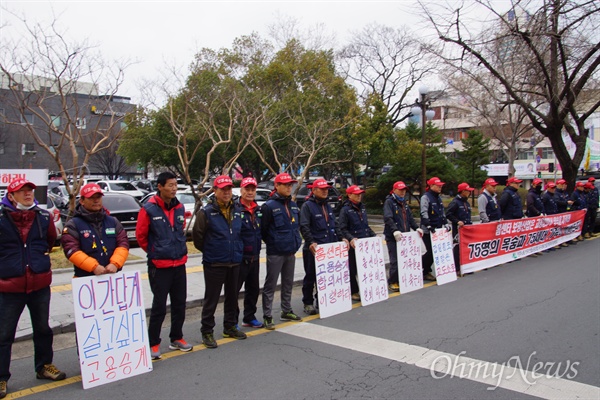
column 28, row 235
column 563, row 200
column 250, row 266
column 511, row 205
column 160, row 232
column 397, row 218
column 317, row 226
column 92, row 240
column 459, row 209
column 280, row 232
column 487, row 203
column 535, row 206
column 432, row 217
column 354, row 225
column 579, row 199
column 217, row 234
column 549, row 199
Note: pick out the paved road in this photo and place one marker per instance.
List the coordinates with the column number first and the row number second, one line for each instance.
column 540, row 315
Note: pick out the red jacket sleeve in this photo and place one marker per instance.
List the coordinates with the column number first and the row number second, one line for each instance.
column 141, row 229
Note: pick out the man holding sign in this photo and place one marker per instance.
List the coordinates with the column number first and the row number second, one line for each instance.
column 397, row 218
column 354, row 225
column 317, row 226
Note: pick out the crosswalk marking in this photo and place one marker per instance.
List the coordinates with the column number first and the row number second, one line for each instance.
column 507, row 377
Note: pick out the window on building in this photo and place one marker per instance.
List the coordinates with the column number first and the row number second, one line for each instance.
column 27, row 119
column 26, row 148
column 55, row 120
column 123, row 126
column 547, row 153
column 80, row 123
column 1, row 147
column 527, row 155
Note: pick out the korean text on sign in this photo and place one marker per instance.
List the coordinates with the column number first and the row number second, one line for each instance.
column 370, row 266
column 111, row 328
column 333, row 279
column 410, row 266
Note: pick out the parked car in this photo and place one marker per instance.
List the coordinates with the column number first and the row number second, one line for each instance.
column 124, row 187
column 125, row 208
column 145, row 185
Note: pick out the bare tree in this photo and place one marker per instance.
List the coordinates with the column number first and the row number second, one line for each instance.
column 63, row 95
column 387, row 62
column 107, row 162
column 557, row 44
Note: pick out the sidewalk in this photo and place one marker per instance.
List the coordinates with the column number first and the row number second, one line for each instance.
column 62, row 318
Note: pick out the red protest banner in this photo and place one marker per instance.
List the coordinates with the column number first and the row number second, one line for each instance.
column 487, row 245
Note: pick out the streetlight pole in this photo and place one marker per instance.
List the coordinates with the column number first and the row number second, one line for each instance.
column 420, row 108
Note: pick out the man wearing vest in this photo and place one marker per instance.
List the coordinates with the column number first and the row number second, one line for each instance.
column 511, row 205
column 593, row 198
column 92, row 240
column 250, row 267
column 579, row 199
column 397, row 218
column 489, row 210
column 432, row 218
column 28, row 235
column 459, row 213
column 280, row 232
column 563, row 201
column 354, row 225
column 549, row 199
column 217, row 234
column 317, row 226
column 160, row 232
column 535, row 206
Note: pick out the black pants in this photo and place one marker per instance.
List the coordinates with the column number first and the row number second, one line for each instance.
column 249, row 278
column 589, row 221
column 309, row 290
column 214, row 279
column 165, row 282
column 353, row 271
column 427, row 258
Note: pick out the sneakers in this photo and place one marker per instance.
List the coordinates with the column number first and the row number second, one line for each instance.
column 180, row 344
column 429, row 277
column 2, row 389
column 289, row 316
column 49, row 371
column 269, row 323
column 253, row 324
column 234, row 333
column 209, row 340
column 155, row 352
column 355, row 297
column 310, row 309
column 394, row 287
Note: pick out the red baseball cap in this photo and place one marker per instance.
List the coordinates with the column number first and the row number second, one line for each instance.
column 551, row 185
column 435, row 181
column 17, row 184
column 490, row 181
column 354, row 189
column 561, row 182
column 284, row 177
column 537, row 181
column 513, row 180
column 90, row 189
column 580, row 184
column 222, row 181
column 465, row 186
column 248, row 181
column 320, row 184
column 591, row 179
column 399, row 185
column 589, row 185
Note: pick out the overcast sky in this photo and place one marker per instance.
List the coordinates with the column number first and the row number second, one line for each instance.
column 157, row 32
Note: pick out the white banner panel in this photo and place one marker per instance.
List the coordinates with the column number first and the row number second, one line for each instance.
column 111, row 327
column 443, row 259
column 370, row 267
column 410, row 265
column 333, row 279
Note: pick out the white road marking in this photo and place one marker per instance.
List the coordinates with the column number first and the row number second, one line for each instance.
column 444, row 364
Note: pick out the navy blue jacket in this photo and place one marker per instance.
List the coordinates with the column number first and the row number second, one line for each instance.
column 459, row 209
column 510, row 204
column 222, row 238
column 251, row 234
column 166, row 241
column 535, row 206
column 317, row 223
column 280, row 225
column 579, row 200
column 432, row 211
column 491, row 208
column 561, row 197
column 550, row 205
column 93, row 247
column 396, row 217
column 593, row 199
column 353, row 221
